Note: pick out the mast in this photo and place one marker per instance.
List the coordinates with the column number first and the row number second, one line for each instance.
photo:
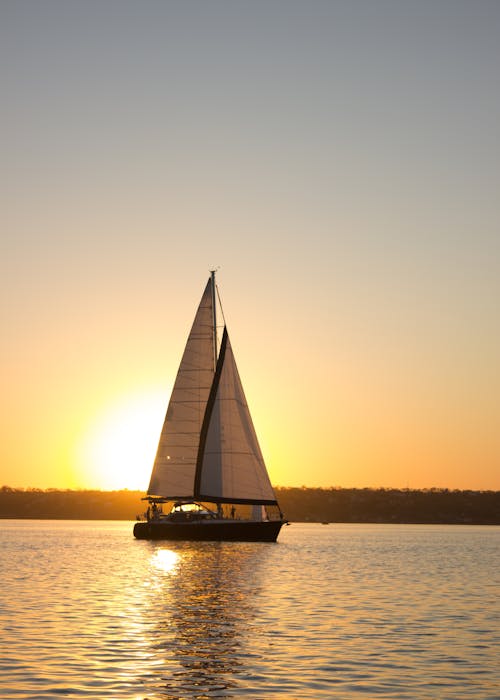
column 214, row 318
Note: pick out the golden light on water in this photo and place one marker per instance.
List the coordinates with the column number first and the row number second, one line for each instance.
column 118, row 448
column 165, row 560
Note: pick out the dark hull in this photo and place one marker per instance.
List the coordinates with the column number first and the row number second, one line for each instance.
column 229, row 531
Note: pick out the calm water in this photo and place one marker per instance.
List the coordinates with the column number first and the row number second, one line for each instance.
column 337, row 611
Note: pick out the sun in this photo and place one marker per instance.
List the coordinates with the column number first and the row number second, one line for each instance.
column 118, row 448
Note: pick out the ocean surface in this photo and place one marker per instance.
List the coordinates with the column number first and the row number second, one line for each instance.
column 329, row 611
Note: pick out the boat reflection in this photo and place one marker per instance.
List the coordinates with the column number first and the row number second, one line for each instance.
column 204, row 615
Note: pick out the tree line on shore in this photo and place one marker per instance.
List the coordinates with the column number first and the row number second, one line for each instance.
column 299, row 504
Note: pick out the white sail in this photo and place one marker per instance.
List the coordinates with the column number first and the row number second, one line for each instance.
column 231, row 467
column 175, row 463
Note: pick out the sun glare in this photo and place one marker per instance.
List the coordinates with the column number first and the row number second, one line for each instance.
column 118, row 449
column 165, row 560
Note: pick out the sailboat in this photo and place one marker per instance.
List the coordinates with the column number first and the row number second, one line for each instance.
column 209, row 467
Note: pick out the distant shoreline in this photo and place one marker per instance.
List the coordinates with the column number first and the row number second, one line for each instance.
column 290, row 522
column 336, row 505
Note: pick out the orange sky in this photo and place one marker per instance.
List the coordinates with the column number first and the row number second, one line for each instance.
column 338, row 162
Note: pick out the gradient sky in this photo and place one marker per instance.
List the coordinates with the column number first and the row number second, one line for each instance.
column 338, row 161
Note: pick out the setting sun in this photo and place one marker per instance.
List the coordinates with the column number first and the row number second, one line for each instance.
column 118, row 448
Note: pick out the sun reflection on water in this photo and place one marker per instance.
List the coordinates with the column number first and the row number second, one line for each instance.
column 165, row 560
column 202, row 616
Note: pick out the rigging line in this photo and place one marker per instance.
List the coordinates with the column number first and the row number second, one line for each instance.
column 220, row 303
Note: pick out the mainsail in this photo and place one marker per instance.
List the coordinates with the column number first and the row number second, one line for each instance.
column 208, row 449
column 175, row 463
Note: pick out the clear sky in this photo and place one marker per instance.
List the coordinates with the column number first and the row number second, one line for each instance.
column 337, row 160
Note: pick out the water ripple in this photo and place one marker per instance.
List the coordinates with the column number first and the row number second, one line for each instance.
column 348, row 612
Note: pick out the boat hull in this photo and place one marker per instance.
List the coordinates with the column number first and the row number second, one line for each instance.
column 219, row 531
